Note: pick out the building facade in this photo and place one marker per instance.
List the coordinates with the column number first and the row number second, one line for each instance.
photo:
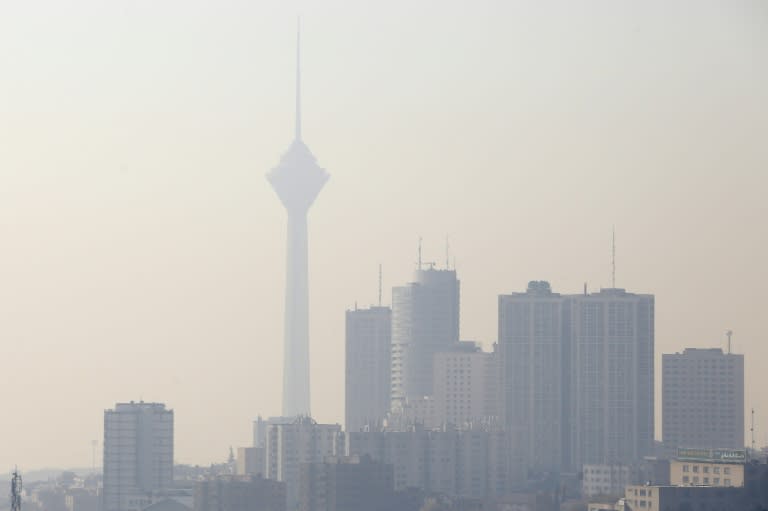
column 138, row 455
column 465, row 386
column 346, row 483
column 611, row 377
column 703, row 399
column 239, row 493
column 425, row 321
column 470, row 463
column 533, row 344
column 290, row 445
column 368, row 365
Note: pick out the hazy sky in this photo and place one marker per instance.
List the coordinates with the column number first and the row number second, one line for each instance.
column 142, row 249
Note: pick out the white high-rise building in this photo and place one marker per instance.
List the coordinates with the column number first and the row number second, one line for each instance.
column 611, row 384
column 297, row 180
column 425, row 321
column 138, row 455
column 302, row 441
column 533, row 345
column 368, row 360
column 703, row 399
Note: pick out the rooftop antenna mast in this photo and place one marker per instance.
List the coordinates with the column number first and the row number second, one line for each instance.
column 447, row 254
column 752, row 431
column 16, row 490
column 728, row 334
column 379, row 284
column 613, row 257
column 419, row 263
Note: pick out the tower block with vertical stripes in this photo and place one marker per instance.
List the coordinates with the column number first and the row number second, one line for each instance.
column 297, row 180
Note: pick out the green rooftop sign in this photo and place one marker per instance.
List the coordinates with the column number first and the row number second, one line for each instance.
column 712, row 455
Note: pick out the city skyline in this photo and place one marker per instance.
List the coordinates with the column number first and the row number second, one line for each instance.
column 145, row 235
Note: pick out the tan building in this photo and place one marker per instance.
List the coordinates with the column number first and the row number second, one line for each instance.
column 702, row 473
column 465, row 385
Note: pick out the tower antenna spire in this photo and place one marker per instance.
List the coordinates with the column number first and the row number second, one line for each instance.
column 447, row 253
column 298, row 78
column 379, row 284
column 613, row 257
column 729, row 334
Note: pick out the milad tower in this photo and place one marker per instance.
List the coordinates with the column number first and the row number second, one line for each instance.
column 297, row 179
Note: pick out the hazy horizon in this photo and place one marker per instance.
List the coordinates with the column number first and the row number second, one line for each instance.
column 143, row 248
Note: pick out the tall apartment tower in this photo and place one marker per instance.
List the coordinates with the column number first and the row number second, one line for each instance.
column 425, row 321
column 703, row 399
column 368, row 359
column 138, row 454
column 534, row 333
column 612, row 396
column 297, row 180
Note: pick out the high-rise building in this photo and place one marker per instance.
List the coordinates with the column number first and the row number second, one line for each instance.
column 138, row 455
column 611, row 384
column 703, row 399
column 534, row 330
column 297, row 180
column 425, row 321
column 290, row 445
column 465, row 386
column 368, row 359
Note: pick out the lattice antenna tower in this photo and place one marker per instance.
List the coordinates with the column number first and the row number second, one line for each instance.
column 16, row 487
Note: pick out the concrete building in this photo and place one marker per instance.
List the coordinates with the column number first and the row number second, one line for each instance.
column 290, row 445
column 239, row 493
column 534, row 329
column 708, row 467
column 347, row 483
column 465, row 386
column 610, row 480
column 297, row 180
column 368, row 365
column 425, row 321
column 703, row 399
column 471, row 463
column 138, row 455
column 611, row 377
column 250, row 461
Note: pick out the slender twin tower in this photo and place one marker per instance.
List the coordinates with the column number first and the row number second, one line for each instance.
column 297, row 179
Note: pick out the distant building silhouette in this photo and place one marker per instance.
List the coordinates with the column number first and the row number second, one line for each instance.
column 347, row 483
column 703, row 399
column 290, row 445
column 239, row 493
column 368, row 359
column 576, row 377
column 138, row 455
column 425, row 321
column 465, row 386
column 534, row 333
column 611, row 377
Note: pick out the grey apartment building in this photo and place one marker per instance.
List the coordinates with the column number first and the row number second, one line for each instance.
column 703, row 399
column 138, row 454
column 368, row 359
